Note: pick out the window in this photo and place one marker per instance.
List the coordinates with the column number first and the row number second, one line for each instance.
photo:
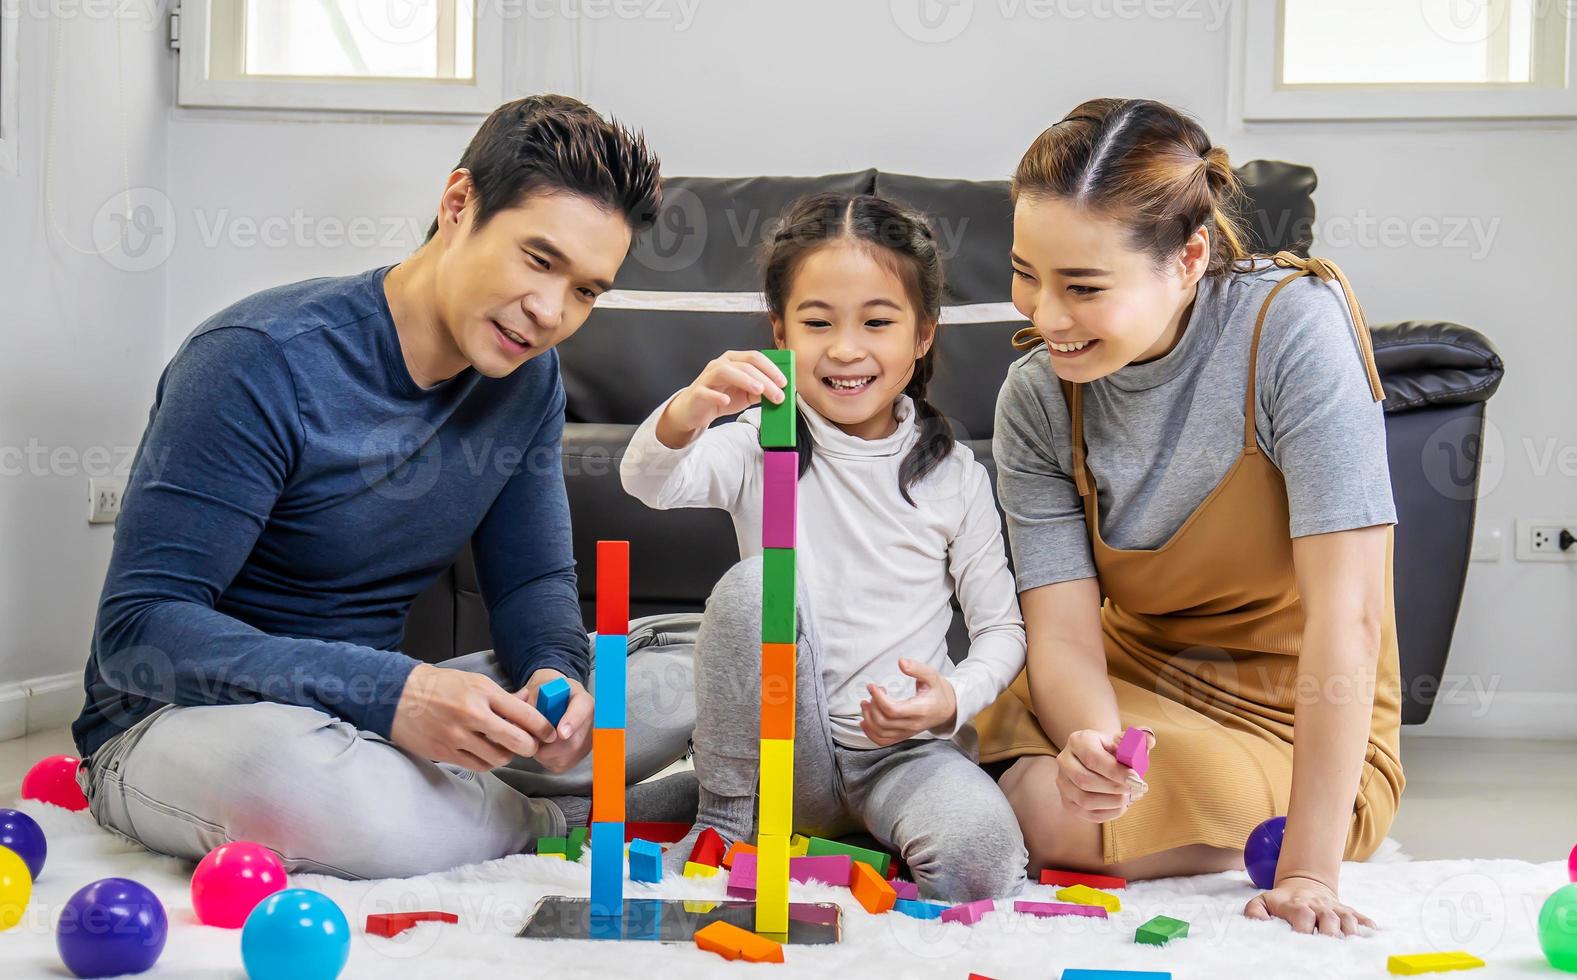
column 431, row 56
column 1407, row 59
column 9, row 79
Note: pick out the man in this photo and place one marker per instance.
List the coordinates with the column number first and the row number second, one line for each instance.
column 316, row 456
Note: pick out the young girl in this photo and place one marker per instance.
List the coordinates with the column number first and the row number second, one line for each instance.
column 894, row 519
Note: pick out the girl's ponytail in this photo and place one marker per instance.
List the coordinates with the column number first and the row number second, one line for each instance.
column 936, row 436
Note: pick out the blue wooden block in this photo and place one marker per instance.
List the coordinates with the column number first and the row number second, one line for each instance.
column 1114, row 975
column 607, row 868
column 646, row 861
column 608, row 681
column 919, row 910
column 552, row 699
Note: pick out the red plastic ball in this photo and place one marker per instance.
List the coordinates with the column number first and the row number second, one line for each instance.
column 54, row 780
column 231, row 880
column 1571, row 865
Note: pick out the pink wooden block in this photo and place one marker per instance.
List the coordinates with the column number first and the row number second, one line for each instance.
column 834, row 869
column 1059, row 908
column 906, row 889
column 1134, row 751
column 779, row 498
column 969, row 913
column 742, row 876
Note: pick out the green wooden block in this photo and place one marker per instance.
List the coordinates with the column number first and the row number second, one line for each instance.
column 553, row 845
column 777, row 421
column 777, row 596
column 1161, row 930
column 576, row 843
column 876, row 859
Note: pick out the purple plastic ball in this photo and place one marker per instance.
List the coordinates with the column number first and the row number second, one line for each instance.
column 22, row 834
column 112, row 927
column 1263, row 851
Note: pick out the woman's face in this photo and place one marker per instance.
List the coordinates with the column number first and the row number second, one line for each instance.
column 1099, row 304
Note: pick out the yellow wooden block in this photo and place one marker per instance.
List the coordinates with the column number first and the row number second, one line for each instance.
column 1085, row 895
column 799, row 844
column 777, row 790
column 698, row 907
column 1412, row 966
column 694, row 870
column 561, row 857
column 772, row 881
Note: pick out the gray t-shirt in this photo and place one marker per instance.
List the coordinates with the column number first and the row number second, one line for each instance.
column 1161, row 435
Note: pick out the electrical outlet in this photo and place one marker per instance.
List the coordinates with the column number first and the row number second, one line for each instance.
column 1541, row 540
column 104, row 495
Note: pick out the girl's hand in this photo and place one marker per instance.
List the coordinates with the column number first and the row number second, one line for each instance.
column 730, row 383
column 1308, row 906
column 934, row 705
column 1093, row 784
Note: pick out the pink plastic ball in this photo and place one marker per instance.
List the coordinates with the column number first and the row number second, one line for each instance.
column 231, row 880
column 54, row 780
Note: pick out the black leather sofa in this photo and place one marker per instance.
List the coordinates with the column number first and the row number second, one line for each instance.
column 624, row 362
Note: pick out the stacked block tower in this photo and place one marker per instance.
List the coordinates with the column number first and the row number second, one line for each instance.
column 607, row 737
column 780, row 507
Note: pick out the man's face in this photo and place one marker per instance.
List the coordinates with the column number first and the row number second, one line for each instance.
column 527, row 279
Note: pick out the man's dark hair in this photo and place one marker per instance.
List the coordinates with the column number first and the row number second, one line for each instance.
column 555, row 144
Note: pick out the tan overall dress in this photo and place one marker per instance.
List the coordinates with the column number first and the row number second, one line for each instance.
column 1202, row 637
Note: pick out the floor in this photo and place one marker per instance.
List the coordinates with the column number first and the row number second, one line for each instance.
column 1464, row 799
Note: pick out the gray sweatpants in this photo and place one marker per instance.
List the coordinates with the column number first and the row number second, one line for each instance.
column 924, row 798
column 332, row 799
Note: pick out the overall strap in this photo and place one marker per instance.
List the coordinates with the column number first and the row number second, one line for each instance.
column 1074, row 395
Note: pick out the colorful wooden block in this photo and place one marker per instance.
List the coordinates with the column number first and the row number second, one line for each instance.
column 607, row 776
column 646, row 861
column 777, row 788
column 550, row 854
column 779, row 497
column 1134, row 751
column 393, row 923
column 870, row 889
column 733, row 943
column 1115, row 975
column 708, row 848
column 576, row 842
column 742, row 876
column 1161, row 930
column 916, row 909
column 1051, row 876
column 552, row 699
column 607, row 869
column 613, row 587
column 698, row 906
column 906, row 889
column 778, row 624
column 661, row 831
column 608, row 680
column 798, row 845
column 969, row 913
column 552, row 845
column 1419, row 963
column 1049, row 909
column 772, row 881
column 778, row 421
column 1085, row 895
column 777, row 690
column 735, row 849
column 876, row 859
column 694, row 870
column 834, row 869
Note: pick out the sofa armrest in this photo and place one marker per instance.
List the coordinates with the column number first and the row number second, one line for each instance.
column 1432, row 362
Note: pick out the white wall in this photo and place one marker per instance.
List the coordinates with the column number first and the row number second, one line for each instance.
column 823, row 85
column 81, row 338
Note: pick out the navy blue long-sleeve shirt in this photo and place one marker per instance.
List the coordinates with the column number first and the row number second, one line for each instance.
column 295, row 490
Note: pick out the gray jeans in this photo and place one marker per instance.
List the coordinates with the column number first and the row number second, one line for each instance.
column 332, row 799
column 923, row 798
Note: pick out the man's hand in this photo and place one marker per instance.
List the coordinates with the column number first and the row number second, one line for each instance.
column 466, row 719
column 573, row 739
column 934, row 705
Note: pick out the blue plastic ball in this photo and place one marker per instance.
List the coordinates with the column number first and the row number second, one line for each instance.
column 22, row 834
column 112, row 927
column 296, row 934
column 1263, row 851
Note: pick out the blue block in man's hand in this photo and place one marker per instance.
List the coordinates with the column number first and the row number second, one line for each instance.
column 552, row 699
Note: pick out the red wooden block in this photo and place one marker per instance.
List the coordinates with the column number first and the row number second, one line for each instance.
column 394, row 923
column 708, row 848
column 1051, row 876
column 656, row 831
column 613, row 588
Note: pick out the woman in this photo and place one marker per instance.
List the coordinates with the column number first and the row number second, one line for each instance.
column 1197, row 437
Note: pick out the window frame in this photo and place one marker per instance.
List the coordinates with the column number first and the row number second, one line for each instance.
column 1265, row 99
column 197, row 88
column 10, row 79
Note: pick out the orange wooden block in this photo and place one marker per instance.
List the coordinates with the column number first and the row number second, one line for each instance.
column 607, row 775
column 871, row 889
column 777, row 690
column 733, row 943
column 736, row 848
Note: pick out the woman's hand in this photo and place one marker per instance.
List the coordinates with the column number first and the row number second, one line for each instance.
column 1092, row 783
column 730, row 383
column 934, row 706
column 1308, row 906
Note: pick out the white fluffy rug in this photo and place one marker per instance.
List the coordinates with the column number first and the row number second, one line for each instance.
column 1486, row 907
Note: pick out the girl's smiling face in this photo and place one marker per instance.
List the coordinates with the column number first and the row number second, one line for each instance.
column 1099, row 304
column 856, row 334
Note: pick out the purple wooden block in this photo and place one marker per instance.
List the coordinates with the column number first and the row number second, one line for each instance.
column 821, row 915
column 779, row 497
column 906, row 889
column 1134, row 751
column 834, row 869
column 969, row 913
column 742, row 876
column 1059, row 908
